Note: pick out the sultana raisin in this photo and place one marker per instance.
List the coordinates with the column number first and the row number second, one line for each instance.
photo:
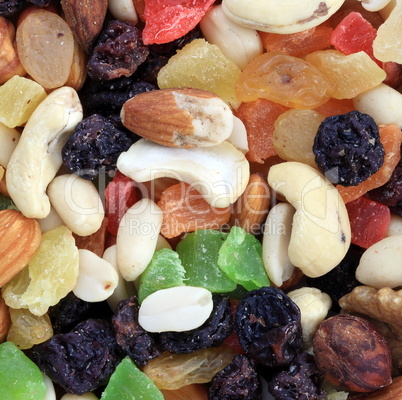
column 348, row 149
column 135, row 341
column 237, row 381
column 301, row 381
column 211, row 334
column 268, row 324
column 119, row 52
column 79, row 361
column 94, row 147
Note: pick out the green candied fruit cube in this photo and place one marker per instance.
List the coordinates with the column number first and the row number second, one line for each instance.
column 20, row 378
column 129, row 383
column 202, row 65
column 199, row 253
column 240, row 257
column 163, row 272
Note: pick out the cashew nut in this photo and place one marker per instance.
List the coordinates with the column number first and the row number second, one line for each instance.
column 137, row 238
column 286, row 16
column 321, row 232
column 37, row 157
column 220, row 173
column 275, row 242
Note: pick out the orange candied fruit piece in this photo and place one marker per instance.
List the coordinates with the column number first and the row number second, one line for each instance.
column 185, row 210
column 335, row 107
column 259, row 117
column 300, row 43
column 391, row 138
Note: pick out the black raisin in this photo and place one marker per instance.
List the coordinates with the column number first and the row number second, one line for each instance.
column 301, row 381
column 342, row 279
column 347, row 148
column 71, row 310
column 138, row 344
column 237, row 381
column 94, row 147
column 211, row 334
column 11, row 7
column 81, row 360
column 268, row 324
column 119, row 52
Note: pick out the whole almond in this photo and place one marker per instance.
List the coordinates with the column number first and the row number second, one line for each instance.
column 20, row 238
column 85, row 19
column 181, row 117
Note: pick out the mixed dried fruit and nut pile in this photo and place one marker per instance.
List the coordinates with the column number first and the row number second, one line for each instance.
column 200, row 199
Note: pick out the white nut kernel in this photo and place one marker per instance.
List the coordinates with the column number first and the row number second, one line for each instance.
column 123, row 10
column 51, row 221
column 37, row 157
column 137, row 237
column 177, row 309
column 50, row 392
column 275, row 243
column 374, row 5
column 78, row 203
column 238, row 137
column 97, row 279
column 383, row 103
column 314, row 306
column 85, row 396
column 285, row 16
column 321, row 232
column 9, row 138
column 220, row 173
column 236, row 42
column 395, row 225
column 381, row 264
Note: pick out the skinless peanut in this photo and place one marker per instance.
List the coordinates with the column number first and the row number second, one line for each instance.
column 97, row 279
column 137, row 238
column 78, row 203
column 237, row 43
column 321, row 232
column 381, row 264
column 275, row 242
column 123, row 10
column 37, row 157
column 177, row 309
column 220, row 173
column 9, row 138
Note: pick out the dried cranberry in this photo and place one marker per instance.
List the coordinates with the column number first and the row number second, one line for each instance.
column 79, row 361
column 134, row 340
column 268, row 324
column 237, row 381
column 348, row 149
column 211, row 334
column 119, row 52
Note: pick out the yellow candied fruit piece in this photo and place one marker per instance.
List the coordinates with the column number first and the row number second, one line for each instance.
column 50, row 275
column 350, row 74
column 202, row 65
column 18, row 99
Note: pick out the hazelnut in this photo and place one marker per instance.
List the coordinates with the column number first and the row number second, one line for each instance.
column 352, row 354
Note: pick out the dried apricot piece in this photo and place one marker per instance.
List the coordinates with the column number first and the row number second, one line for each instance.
column 390, row 137
column 185, row 210
column 259, row 117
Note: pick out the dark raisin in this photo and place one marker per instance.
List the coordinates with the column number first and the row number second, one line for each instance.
column 269, row 328
column 149, row 70
column 211, row 334
column 301, row 381
column 389, row 194
column 237, row 381
column 11, row 7
column 80, row 360
column 138, row 344
column 119, row 52
column 397, row 209
column 71, row 310
column 94, row 147
column 342, row 279
column 347, row 148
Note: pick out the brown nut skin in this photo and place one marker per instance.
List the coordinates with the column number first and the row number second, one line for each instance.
column 352, row 354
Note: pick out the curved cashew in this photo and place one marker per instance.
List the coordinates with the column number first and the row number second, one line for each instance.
column 220, row 173
column 321, row 230
column 37, row 157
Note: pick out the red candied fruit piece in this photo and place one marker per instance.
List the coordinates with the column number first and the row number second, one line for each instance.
column 353, row 34
column 167, row 20
column 120, row 194
column 369, row 221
